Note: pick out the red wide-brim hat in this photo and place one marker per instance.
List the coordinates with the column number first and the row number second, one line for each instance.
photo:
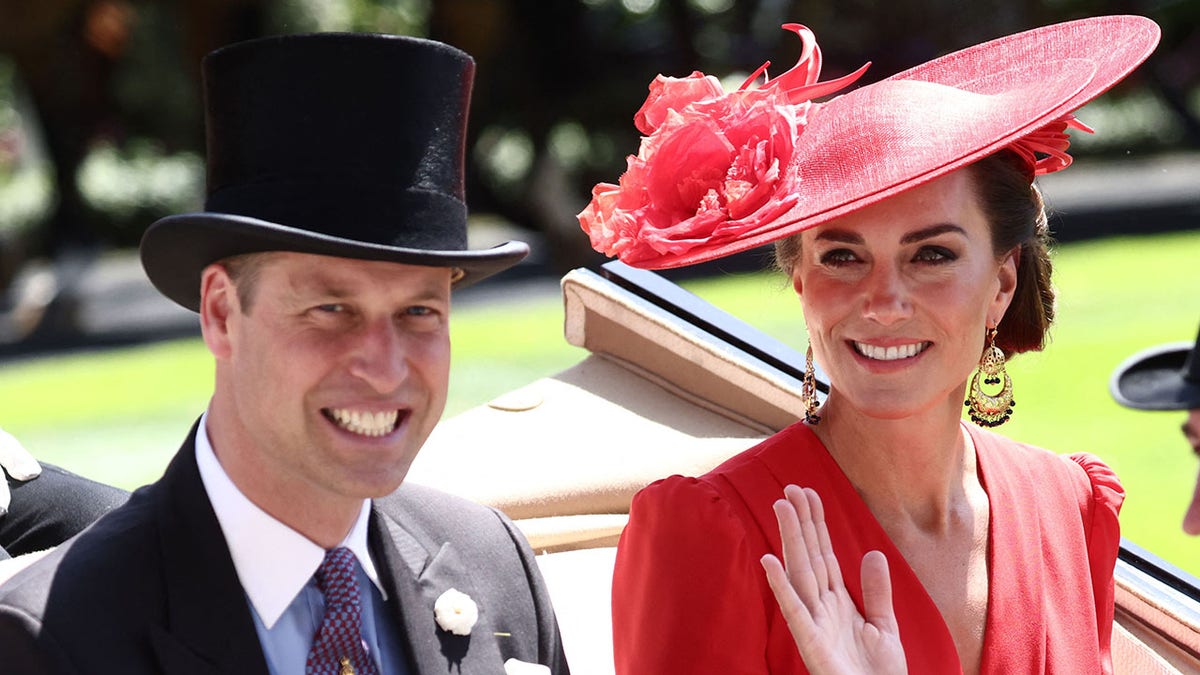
column 719, row 173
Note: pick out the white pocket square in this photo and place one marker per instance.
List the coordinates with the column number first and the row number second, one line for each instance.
column 518, row 667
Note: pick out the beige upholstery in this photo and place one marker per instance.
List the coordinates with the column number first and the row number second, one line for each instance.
column 651, row 400
column 580, row 583
column 1154, row 632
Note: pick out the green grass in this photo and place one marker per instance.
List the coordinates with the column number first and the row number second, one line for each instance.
column 119, row 415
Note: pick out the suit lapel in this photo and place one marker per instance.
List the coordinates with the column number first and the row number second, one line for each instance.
column 209, row 628
column 419, row 570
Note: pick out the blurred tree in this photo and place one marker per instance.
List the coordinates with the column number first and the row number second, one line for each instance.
column 109, row 74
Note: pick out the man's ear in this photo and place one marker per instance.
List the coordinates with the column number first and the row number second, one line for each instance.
column 218, row 303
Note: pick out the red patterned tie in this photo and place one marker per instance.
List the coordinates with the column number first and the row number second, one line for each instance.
column 338, row 645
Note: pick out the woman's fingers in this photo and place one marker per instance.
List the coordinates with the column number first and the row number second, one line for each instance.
column 802, row 501
column 833, row 570
column 795, row 612
column 877, row 593
column 796, row 559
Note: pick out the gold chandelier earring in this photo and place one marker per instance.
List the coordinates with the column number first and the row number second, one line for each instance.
column 990, row 410
column 808, row 390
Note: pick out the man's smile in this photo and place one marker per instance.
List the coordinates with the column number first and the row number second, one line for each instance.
column 364, row 422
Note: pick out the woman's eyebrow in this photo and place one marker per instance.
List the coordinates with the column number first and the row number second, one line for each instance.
column 840, row 236
column 930, row 232
column 849, row 237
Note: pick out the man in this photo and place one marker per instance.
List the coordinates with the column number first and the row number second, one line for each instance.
column 1166, row 377
column 322, row 268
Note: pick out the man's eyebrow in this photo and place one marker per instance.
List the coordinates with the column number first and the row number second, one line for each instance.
column 430, row 294
column 321, row 287
column 848, row 237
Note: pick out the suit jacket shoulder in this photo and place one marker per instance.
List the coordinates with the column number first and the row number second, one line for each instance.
column 149, row 588
column 443, row 542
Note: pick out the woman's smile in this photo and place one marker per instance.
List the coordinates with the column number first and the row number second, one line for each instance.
column 889, row 353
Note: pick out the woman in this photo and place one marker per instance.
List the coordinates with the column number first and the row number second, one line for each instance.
column 906, row 217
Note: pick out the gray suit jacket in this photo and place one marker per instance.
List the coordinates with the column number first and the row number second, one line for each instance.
column 151, row 588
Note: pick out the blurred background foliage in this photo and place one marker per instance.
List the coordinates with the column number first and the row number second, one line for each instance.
column 101, row 126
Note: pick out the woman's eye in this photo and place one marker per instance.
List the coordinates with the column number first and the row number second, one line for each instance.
column 838, row 256
column 934, row 254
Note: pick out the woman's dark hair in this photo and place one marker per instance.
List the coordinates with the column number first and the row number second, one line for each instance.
column 1014, row 208
column 1017, row 215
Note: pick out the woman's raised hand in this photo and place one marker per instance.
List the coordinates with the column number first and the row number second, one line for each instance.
column 830, row 633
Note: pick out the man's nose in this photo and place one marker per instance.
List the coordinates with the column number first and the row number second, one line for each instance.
column 381, row 356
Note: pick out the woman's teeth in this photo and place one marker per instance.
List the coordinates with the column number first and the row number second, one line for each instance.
column 890, row 353
column 363, row 422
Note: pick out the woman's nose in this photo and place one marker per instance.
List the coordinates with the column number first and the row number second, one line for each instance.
column 885, row 296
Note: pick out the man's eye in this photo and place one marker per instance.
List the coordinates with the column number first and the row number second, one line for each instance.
column 420, row 311
column 331, row 308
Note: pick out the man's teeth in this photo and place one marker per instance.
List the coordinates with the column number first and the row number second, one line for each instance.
column 363, row 422
column 890, row 353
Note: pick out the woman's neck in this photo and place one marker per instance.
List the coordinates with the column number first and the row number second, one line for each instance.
column 917, row 469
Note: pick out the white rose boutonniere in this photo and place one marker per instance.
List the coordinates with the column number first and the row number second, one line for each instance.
column 518, row 667
column 455, row 612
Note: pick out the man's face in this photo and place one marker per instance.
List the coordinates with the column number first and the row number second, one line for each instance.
column 332, row 379
column 1191, row 431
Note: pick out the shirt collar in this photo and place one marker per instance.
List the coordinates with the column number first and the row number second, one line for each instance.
column 273, row 561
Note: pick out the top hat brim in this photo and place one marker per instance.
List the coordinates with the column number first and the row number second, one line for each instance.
column 176, row 249
column 1154, row 379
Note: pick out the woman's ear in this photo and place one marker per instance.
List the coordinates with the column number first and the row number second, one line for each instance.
column 1007, row 288
column 218, row 303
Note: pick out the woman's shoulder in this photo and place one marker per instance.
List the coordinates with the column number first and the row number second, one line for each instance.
column 1094, row 480
column 788, row 449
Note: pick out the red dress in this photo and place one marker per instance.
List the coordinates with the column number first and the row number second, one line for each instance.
column 690, row 596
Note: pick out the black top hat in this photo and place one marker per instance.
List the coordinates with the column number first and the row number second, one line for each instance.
column 339, row 144
column 1166, row 377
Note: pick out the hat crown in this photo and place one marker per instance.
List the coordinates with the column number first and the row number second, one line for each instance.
column 334, row 144
column 352, row 135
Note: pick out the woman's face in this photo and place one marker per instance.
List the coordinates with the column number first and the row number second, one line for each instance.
column 898, row 297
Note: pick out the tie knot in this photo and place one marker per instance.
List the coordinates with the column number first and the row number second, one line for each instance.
column 337, row 571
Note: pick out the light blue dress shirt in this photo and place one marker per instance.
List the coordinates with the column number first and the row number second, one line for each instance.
column 275, row 566
column 286, row 645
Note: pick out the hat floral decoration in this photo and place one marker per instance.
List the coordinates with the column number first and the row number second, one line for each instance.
column 715, row 166
column 712, row 163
